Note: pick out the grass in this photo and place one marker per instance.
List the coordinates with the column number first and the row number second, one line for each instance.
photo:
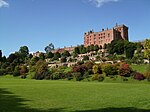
column 25, row 95
column 140, row 68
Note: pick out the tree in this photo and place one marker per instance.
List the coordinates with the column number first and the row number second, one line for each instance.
column 0, row 55
column 96, row 48
column 34, row 60
column 76, row 50
column 92, row 47
column 11, row 57
column 49, row 48
column 57, row 56
column 49, row 55
column 116, row 46
column 16, row 71
column 85, row 58
column 147, row 49
column 66, row 54
column 23, row 71
column 41, row 69
column 24, row 51
column 63, row 59
column 42, row 56
column 129, row 49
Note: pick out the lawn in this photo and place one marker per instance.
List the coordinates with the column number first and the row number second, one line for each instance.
column 140, row 68
column 25, row 95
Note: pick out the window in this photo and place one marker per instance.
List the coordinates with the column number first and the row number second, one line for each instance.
column 108, row 34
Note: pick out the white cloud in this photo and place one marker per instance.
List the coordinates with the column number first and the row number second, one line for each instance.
column 3, row 3
column 99, row 3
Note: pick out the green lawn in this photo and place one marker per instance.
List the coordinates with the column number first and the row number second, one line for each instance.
column 140, row 68
column 19, row 95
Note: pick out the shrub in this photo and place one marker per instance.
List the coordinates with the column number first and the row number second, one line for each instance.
column 125, row 70
column 63, row 59
column 44, row 75
column 16, row 71
column 97, row 69
column 98, row 77
column 78, row 76
column 69, row 75
column 81, row 69
column 147, row 75
column 85, row 58
column 110, row 70
column 138, row 76
column 55, row 76
column 2, row 72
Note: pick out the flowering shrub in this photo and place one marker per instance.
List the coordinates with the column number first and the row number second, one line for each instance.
column 125, row 70
column 110, row 69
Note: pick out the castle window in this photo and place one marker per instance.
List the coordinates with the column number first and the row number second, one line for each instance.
column 108, row 34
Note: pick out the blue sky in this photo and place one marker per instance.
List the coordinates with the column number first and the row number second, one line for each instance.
column 36, row 23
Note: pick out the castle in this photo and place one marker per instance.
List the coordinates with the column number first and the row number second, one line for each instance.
column 105, row 36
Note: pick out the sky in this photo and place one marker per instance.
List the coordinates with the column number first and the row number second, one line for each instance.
column 36, row 23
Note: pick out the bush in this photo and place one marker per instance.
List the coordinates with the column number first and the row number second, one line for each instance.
column 44, row 75
column 85, row 58
column 138, row 76
column 16, row 71
column 97, row 69
column 147, row 75
column 98, row 77
column 69, row 75
column 110, row 70
column 2, row 72
column 78, row 76
column 125, row 70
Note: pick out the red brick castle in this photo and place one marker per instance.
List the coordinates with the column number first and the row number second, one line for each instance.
column 106, row 36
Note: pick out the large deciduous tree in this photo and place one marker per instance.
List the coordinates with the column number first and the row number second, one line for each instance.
column 130, row 47
column 24, row 51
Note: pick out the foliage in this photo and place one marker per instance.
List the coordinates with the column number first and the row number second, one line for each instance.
column 56, row 56
column 125, row 70
column 110, row 69
column 49, row 55
column 98, row 77
column 116, row 46
column 24, row 51
column 147, row 49
column 85, row 58
column 96, row 69
column 63, row 59
column 23, row 71
column 16, row 71
column 79, row 71
column 49, row 48
column 138, row 76
column 147, row 75
column 2, row 72
column 66, row 54
column 0, row 55
column 129, row 49
column 41, row 69
column 34, row 60
column 42, row 56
